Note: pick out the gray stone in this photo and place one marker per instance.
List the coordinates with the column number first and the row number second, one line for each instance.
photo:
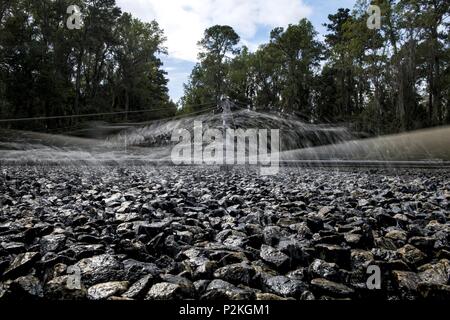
column 139, row 288
column 21, row 264
column 274, row 257
column 438, row 273
column 165, row 291
column 60, row 288
column 219, row 284
column 411, row 255
column 327, row 287
column 99, row 269
column 240, row 273
column 28, row 287
column 105, row 290
column 407, row 282
column 283, row 286
column 323, row 269
column 13, row 247
column 53, row 242
column 152, row 229
column 134, row 270
column 334, row 253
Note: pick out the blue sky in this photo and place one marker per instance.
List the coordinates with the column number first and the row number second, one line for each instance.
column 184, row 21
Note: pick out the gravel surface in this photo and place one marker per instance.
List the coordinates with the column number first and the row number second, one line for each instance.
column 213, row 234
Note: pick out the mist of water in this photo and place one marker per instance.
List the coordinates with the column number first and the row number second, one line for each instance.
column 151, row 142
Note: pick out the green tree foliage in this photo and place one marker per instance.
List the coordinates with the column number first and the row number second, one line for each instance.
column 111, row 64
column 300, row 54
column 208, row 80
column 377, row 81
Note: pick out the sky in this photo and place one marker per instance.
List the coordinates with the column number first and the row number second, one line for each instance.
column 184, row 22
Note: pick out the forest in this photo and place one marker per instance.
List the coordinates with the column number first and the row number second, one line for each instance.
column 381, row 81
column 112, row 64
column 378, row 81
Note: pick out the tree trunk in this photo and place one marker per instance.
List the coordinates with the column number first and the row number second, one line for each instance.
column 78, row 82
column 127, row 104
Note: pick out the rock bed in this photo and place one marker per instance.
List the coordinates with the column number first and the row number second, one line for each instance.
column 205, row 233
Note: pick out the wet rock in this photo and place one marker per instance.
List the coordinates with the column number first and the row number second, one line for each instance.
column 386, row 243
column 307, row 296
column 168, row 264
column 201, row 286
column 314, row 224
column 27, row 288
column 124, row 207
column 298, row 274
column 323, row 269
column 361, row 259
column 301, row 230
column 324, row 211
column 184, row 237
column 272, row 235
column 219, row 284
column 285, row 287
column 82, row 251
column 262, row 237
column 397, row 235
column 38, row 230
column 103, row 291
column 13, row 247
column 354, row 240
column 334, row 253
column 240, row 273
column 54, row 242
column 134, row 270
column 114, row 298
column 225, row 257
column 165, row 291
column 274, row 257
column 114, row 200
column 21, row 264
column 295, row 250
column 434, row 292
column 79, row 220
column 426, row 244
column 139, row 288
column 235, row 241
column 438, row 273
column 443, row 254
column 152, row 229
column 5, row 293
column 363, row 203
column 185, row 286
column 4, row 265
column 233, row 293
column 435, row 226
column 200, row 267
column 62, row 288
column 412, row 255
column 399, row 265
column 407, row 283
column 327, row 287
column 99, row 269
column 386, row 220
column 268, row 297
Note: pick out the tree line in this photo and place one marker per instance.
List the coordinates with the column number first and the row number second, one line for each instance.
column 378, row 81
column 109, row 65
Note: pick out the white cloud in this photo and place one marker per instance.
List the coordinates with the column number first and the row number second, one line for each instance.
column 184, row 21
